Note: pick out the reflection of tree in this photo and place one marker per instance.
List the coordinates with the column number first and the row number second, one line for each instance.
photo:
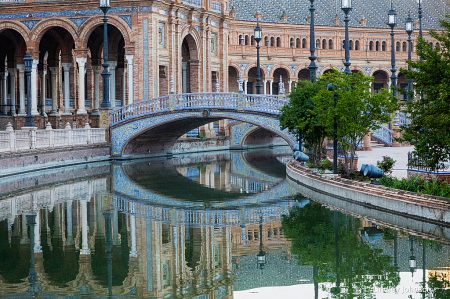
column 352, row 264
column 439, row 285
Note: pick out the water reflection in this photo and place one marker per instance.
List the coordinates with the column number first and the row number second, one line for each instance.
column 115, row 230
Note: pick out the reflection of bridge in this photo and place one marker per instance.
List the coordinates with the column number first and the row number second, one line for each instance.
column 154, row 125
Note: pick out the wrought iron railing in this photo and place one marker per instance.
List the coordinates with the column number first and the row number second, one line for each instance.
column 418, row 163
column 258, row 103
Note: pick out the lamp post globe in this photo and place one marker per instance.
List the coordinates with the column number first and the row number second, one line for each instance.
column 258, row 37
column 105, row 5
column 409, row 30
column 346, row 8
column 392, row 22
column 28, row 62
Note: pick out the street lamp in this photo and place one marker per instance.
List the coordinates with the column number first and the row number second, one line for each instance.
column 392, row 22
column 261, row 256
column 105, row 6
column 312, row 67
column 28, row 61
column 420, row 17
column 258, row 37
column 346, row 8
column 409, row 30
column 412, row 258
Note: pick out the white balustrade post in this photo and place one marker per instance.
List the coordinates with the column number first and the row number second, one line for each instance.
column 69, row 134
column 12, row 137
column 270, row 87
column 34, row 87
column 130, row 79
column 51, row 141
column 112, row 82
column 12, row 87
column 81, row 88
column 66, row 67
column 43, row 75
column 88, row 133
column 96, row 69
column 54, row 74
column 21, row 69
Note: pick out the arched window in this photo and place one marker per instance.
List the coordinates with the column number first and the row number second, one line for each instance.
column 350, row 45
column 383, row 46
column 343, row 45
column 304, row 45
column 397, row 47
column 438, row 46
column 324, row 44
column 330, row 44
column 241, row 39
column 357, row 45
column 246, row 40
column 252, row 40
column 278, row 42
column 404, row 46
column 431, row 45
column 292, row 43
column 371, row 46
column 297, row 43
column 266, row 41
column 272, row 41
column 318, row 44
column 377, row 46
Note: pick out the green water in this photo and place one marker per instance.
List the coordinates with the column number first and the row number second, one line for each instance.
column 218, row 225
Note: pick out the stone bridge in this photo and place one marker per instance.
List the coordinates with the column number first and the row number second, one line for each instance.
column 153, row 126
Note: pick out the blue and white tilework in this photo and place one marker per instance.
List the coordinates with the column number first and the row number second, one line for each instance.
column 145, row 48
column 127, row 20
column 268, row 68
column 30, row 24
column 78, row 21
column 239, row 131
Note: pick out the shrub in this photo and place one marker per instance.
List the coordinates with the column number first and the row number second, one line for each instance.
column 419, row 185
column 326, row 165
column 386, row 165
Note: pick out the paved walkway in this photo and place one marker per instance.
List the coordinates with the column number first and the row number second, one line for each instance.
column 400, row 154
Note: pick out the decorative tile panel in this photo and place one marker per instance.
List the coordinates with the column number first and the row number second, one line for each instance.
column 239, row 132
column 145, row 41
column 30, row 24
column 127, row 20
column 78, row 21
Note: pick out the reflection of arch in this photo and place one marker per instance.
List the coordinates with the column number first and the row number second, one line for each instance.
column 43, row 26
column 89, row 26
column 17, row 26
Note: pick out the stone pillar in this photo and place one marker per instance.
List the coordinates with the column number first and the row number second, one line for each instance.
column 67, row 67
column 3, row 92
column 21, row 69
column 290, row 86
column 245, row 86
column 81, row 88
column 133, row 251
column 130, row 78
column 223, row 125
column 54, row 76
column 270, row 87
column 34, row 87
column 184, row 67
column 396, row 134
column 366, row 143
column 265, row 86
column 96, row 69
column 84, row 228
column 12, row 73
column 69, row 239
column 112, row 82
column 43, row 76
column 37, row 235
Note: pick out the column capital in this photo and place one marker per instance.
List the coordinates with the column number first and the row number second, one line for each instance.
column 20, row 68
column 96, row 68
column 81, row 61
column 129, row 58
column 112, row 65
column 35, row 63
column 12, row 71
column 66, row 66
column 42, row 72
column 53, row 69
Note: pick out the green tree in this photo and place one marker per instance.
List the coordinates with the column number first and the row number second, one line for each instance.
column 429, row 130
column 357, row 110
column 299, row 117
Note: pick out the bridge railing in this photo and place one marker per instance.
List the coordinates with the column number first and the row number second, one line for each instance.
column 259, row 103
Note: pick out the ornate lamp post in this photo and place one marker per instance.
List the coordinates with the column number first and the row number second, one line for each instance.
column 346, row 8
column 258, row 37
column 392, row 22
column 105, row 6
column 312, row 67
column 28, row 61
column 412, row 258
column 420, row 17
column 409, row 30
column 261, row 256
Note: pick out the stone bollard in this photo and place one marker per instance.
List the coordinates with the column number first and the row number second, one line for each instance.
column 69, row 134
column 12, row 137
column 51, row 142
column 88, row 133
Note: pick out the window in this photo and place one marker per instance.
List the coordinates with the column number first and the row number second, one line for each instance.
column 350, row 45
column 357, row 45
column 318, row 44
column 252, row 40
column 324, row 44
column 377, row 87
column 437, row 46
column 330, row 44
column 272, row 41
column 161, row 34
column 278, row 42
column 431, row 45
column 241, row 39
column 404, row 47
column 371, row 46
column 292, row 43
column 304, row 43
column 397, row 47
column 377, row 46
column 297, row 43
column 266, row 41
column 214, row 44
column 246, row 40
column 383, row 46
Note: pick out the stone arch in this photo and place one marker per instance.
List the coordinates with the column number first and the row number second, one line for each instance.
column 90, row 25
column 196, row 38
column 233, row 85
column 281, row 66
column 384, row 69
column 303, row 74
column 149, row 129
column 252, row 65
column 359, row 69
column 326, row 69
column 17, row 26
column 43, row 26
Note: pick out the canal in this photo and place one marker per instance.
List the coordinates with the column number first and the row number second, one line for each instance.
column 215, row 225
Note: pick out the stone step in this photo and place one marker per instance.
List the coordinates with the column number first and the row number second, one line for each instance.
column 376, row 144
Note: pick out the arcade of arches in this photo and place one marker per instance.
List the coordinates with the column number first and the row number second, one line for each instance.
column 156, row 50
